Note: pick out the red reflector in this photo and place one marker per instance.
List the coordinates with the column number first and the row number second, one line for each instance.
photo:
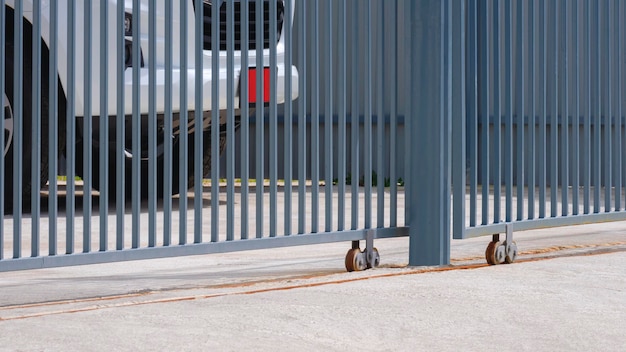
column 252, row 87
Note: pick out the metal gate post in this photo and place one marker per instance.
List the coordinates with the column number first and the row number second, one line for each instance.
column 429, row 191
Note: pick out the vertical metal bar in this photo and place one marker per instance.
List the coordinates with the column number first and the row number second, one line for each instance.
column 2, row 117
column 230, row 127
column 260, row 122
column 485, row 92
column 521, row 104
column 393, row 115
column 288, row 121
column 152, row 128
column 597, row 152
column 619, row 142
column 87, row 129
column 302, row 112
column 459, row 117
column 104, row 126
column 446, row 116
column 328, row 118
column 18, row 110
column 70, row 210
column 508, row 172
column 183, row 159
column 380, row 119
column 36, row 131
column 341, row 96
column 168, row 128
column 245, row 123
column 199, row 121
column 273, row 122
column 554, row 120
column 608, row 111
column 367, row 146
column 542, row 128
column 315, row 117
column 472, row 124
column 622, row 108
column 576, row 118
column 355, row 124
column 120, row 129
column 587, row 125
column 564, row 155
column 532, row 50
column 136, row 125
column 497, row 110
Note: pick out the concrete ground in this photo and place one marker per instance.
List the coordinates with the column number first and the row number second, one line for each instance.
column 566, row 292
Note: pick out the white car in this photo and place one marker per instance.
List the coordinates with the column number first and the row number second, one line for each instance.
column 112, row 60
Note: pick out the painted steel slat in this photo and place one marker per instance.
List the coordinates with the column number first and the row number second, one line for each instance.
column 497, row 112
column 152, row 128
column 3, row 40
column 484, row 112
column 587, row 127
column 597, row 156
column 354, row 120
column 315, row 117
column 36, row 132
column 70, row 211
column 553, row 111
column 120, row 132
column 260, row 126
column 103, row 129
column 168, row 158
column 342, row 144
column 608, row 111
column 542, row 128
column 136, row 126
column 288, row 125
column 393, row 114
column 273, row 125
column 380, row 121
column 328, row 118
column 367, row 147
column 184, row 126
column 576, row 118
column 87, row 130
column 473, row 114
column 521, row 102
column 215, row 130
column 565, row 118
column 18, row 110
column 302, row 141
column 245, row 130
column 230, row 127
column 532, row 54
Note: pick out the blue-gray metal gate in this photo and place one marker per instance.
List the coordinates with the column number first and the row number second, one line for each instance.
column 107, row 92
column 498, row 115
column 541, row 87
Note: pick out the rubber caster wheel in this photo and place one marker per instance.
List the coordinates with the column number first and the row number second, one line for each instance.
column 351, row 258
column 373, row 262
column 491, row 253
column 511, row 252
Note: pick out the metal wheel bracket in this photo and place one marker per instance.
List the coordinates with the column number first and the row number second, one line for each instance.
column 357, row 260
column 502, row 252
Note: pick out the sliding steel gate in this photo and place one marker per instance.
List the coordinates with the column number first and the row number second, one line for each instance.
column 134, row 102
column 540, row 85
column 498, row 115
